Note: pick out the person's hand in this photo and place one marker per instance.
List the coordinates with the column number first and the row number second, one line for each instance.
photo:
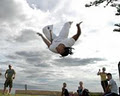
column 79, row 23
column 39, row 34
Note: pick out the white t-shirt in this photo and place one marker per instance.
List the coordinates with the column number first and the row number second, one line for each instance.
column 62, row 38
column 113, row 85
column 68, row 42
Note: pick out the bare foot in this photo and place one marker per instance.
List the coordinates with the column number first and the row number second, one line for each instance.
column 79, row 23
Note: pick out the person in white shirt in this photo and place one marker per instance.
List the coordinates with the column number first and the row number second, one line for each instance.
column 60, row 44
column 112, row 86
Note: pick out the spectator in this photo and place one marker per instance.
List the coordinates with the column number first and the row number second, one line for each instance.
column 111, row 89
column 64, row 90
column 103, row 75
column 9, row 75
column 80, row 88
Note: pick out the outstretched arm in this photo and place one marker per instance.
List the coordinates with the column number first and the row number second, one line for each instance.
column 47, row 42
column 99, row 72
column 76, row 36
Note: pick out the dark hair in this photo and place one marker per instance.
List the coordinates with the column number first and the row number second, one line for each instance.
column 109, row 74
column 9, row 65
column 68, row 50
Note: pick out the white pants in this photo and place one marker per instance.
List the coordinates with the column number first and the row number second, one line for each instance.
column 62, row 35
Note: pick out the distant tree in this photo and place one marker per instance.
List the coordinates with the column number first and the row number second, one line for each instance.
column 112, row 3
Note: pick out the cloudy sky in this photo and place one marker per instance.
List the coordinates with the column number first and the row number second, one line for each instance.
column 41, row 69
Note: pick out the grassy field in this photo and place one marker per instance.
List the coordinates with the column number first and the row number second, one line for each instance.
column 43, row 93
column 91, row 94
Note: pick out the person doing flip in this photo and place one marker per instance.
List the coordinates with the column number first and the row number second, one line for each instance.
column 60, row 44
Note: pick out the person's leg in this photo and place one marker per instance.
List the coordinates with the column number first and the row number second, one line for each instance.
column 106, row 84
column 4, row 90
column 65, row 30
column 9, row 90
column 10, row 85
column 5, row 86
column 76, row 36
column 102, row 84
column 48, row 32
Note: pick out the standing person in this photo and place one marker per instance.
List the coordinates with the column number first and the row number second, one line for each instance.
column 112, row 86
column 80, row 88
column 64, row 90
column 103, row 76
column 60, row 44
column 9, row 75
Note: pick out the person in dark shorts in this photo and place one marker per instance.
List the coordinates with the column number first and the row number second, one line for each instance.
column 103, row 75
column 9, row 75
column 64, row 90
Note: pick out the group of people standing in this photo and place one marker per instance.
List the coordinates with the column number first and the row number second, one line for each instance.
column 108, row 84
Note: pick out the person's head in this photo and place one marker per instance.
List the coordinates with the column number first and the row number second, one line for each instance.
column 67, row 51
column 64, row 51
column 64, row 84
column 9, row 66
column 81, row 83
column 103, row 69
column 109, row 76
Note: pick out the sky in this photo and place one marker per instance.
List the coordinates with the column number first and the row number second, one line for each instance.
column 39, row 68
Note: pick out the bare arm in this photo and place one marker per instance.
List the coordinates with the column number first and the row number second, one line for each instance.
column 14, row 74
column 76, row 36
column 47, row 42
column 98, row 72
column 6, row 74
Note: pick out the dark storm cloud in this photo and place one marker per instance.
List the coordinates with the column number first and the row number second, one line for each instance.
column 43, row 5
column 76, row 61
column 26, row 35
